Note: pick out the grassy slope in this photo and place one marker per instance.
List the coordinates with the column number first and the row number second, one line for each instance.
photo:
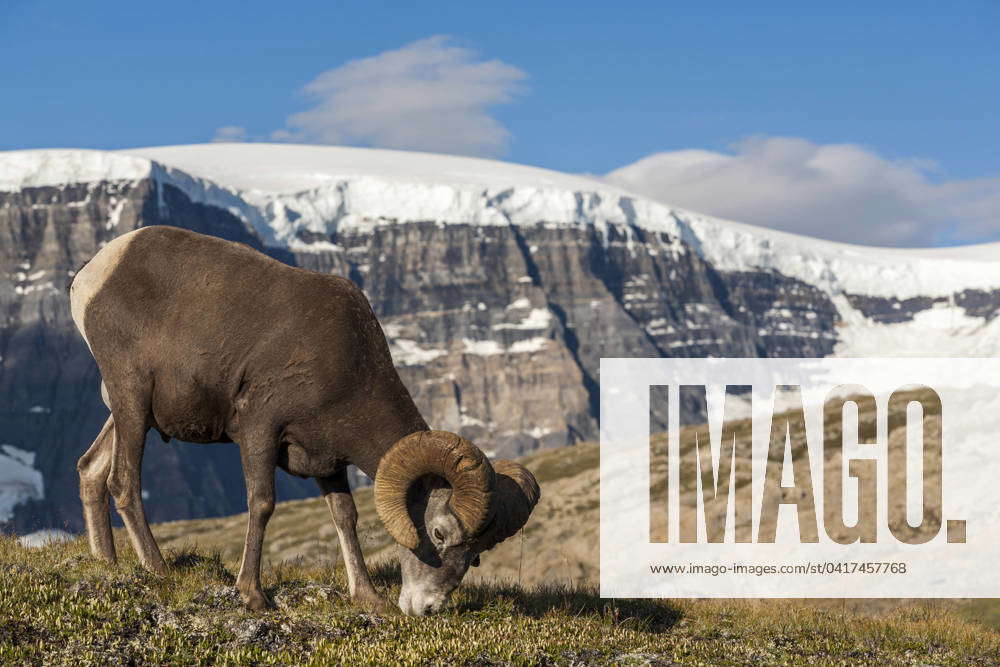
column 558, row 544
column 59, row 606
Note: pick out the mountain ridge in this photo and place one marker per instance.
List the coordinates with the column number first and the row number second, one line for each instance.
column 498, row 301
column 227, row 176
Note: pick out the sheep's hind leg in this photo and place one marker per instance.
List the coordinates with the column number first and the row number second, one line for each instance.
column 94, row 467
column 337, row 493
column 259, row 459
column 125, row 484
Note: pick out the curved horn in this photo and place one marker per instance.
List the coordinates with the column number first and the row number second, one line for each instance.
column 447, row 455
column 516, row 495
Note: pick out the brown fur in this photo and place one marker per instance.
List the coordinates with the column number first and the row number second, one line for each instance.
column 208, row 341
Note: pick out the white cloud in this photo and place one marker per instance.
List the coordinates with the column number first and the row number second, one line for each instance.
column 230, row 134
column 429, row 95
column 843, row 192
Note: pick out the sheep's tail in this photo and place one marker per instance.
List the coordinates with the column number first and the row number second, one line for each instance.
column 72, row 275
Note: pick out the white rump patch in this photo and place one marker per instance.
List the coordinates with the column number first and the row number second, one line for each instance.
column 93, row 275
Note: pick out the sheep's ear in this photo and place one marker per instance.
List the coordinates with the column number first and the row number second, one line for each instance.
column 516, row 494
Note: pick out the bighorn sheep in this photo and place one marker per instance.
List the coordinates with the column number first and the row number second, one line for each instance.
column 209, row 341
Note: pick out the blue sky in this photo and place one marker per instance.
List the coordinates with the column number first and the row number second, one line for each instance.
column 583, row 87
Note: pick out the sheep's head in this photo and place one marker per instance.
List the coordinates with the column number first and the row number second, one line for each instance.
column 444, row 503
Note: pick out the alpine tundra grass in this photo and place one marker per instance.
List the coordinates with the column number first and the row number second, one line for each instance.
column 532, row 601
column 59, row 606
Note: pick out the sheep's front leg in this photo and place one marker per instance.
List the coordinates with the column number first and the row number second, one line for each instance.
column 337, row 493
column 258, row 469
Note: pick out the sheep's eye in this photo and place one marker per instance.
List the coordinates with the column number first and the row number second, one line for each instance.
column 438, row 535
column 475, row 561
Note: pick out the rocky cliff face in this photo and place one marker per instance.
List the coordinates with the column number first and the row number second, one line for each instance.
column 48, row 379
column 499, row 300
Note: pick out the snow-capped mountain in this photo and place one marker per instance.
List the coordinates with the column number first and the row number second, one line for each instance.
column 499, row 286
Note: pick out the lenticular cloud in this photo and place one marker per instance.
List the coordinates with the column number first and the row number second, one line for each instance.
column 429, row 95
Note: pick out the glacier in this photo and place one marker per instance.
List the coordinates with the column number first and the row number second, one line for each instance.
column 19, row 481
column 282, row 191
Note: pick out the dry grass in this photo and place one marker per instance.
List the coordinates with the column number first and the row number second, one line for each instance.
column 60, row 607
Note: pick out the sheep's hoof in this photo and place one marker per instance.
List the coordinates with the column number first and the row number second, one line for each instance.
column 159, row 568
column 376, row 604
column 256, row 600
